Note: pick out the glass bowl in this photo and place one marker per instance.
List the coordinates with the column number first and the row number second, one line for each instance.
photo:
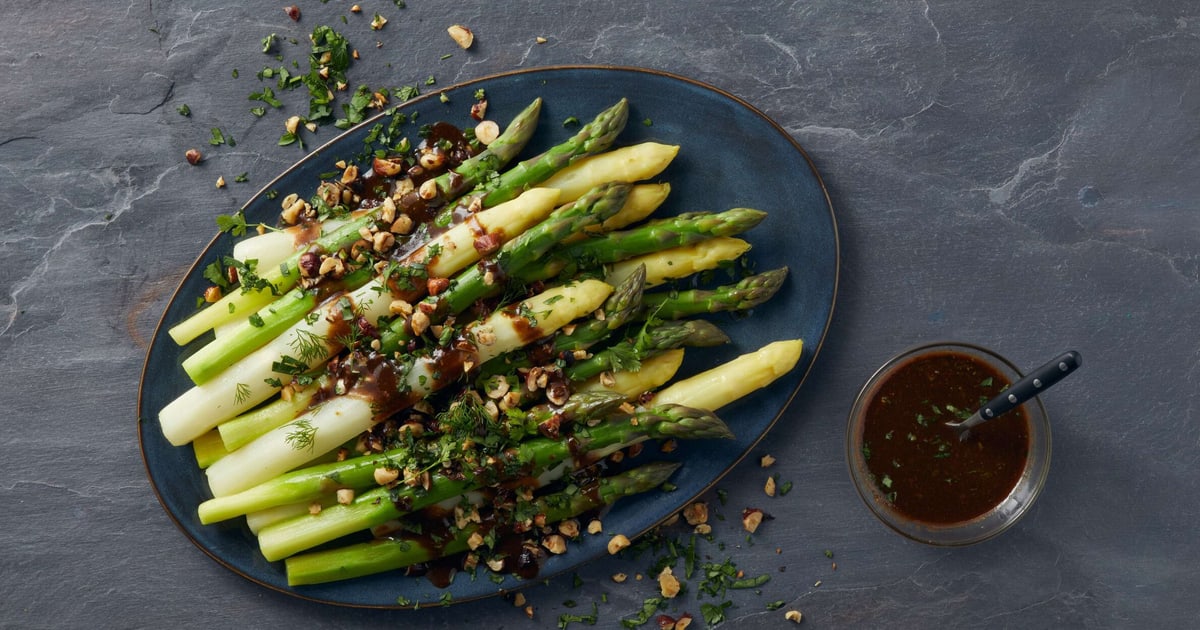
column 1005, row 511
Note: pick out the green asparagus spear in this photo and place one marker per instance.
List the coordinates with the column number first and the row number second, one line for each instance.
column 379, row 505
column 593, row 137
column 628, row 354
column 744, row 295
column 653, row 236
column 394, row 553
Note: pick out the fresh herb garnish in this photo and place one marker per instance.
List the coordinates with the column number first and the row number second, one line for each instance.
column 303, row 436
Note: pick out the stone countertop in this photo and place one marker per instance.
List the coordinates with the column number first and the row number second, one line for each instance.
column 1021, row 175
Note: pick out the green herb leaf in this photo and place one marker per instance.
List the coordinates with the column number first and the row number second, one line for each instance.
column 234, row 224
column 184, row 110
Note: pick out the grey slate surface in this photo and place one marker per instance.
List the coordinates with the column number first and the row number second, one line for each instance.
column 1020, row 174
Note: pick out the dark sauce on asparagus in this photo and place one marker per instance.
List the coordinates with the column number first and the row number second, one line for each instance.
column 918, row 464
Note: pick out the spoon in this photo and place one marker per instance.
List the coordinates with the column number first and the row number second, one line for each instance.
column 1035, row 383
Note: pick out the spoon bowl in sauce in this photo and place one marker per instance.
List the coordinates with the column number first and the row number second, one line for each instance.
column 911, row 468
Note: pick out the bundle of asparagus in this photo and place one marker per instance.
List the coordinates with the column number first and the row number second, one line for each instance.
column 443, row 349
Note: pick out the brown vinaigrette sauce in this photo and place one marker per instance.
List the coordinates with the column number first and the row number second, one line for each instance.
column 918, row 464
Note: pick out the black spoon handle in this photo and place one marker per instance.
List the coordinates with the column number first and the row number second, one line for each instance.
column 1035, row 383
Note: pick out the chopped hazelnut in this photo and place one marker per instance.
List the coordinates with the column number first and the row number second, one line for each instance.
column 293, row 12
column 428, row 189
column 400, row 307
column 617, row 543
column 461, row 36
column 683, row 622
column 487, row 131
column 345, row 496
column 314, row 508
column 350, row 174
column 193, row 156
column 703, row 529
column 496, row 387
column 356, row 9
column 431, row 160
column 332, row 265
column 495, row 564
column 383, row 241
column 793, row 616
column 529, row 611
column 220, row 182
column 485, row 336
column 766, row 461
column 212, row 294
column 619, row 578
column 769, row 487
column 668, row 584
column 519, row 600
column 540, row 40
column 595, row 527
column 555, row 544
column 696, row 513
column 386, row 167
column 419, row 322
column 479, row 110
column 402, row 225
column 377, row 22
column 569, row 528
column 474, row 541
column 435, row 286
column 751, row 519
column 292, row 124
column 384, row 476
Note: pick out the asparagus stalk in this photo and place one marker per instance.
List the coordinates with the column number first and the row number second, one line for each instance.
column 237, row 432
column 312, row 482
column 593, row 137
column 643, row 200
column 394, row 553
column 746, row 294
column 275, row 246
column 676, row 231
column 730, row 381
column 653, row 373
column 208, row 448
column 284, row 276
column 678, row 262
column 628, row 354
column 343, row 417
column 627, row 164
column 379, row 505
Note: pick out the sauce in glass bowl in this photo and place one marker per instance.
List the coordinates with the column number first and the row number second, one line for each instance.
column 918, row 463
column 912, row 470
